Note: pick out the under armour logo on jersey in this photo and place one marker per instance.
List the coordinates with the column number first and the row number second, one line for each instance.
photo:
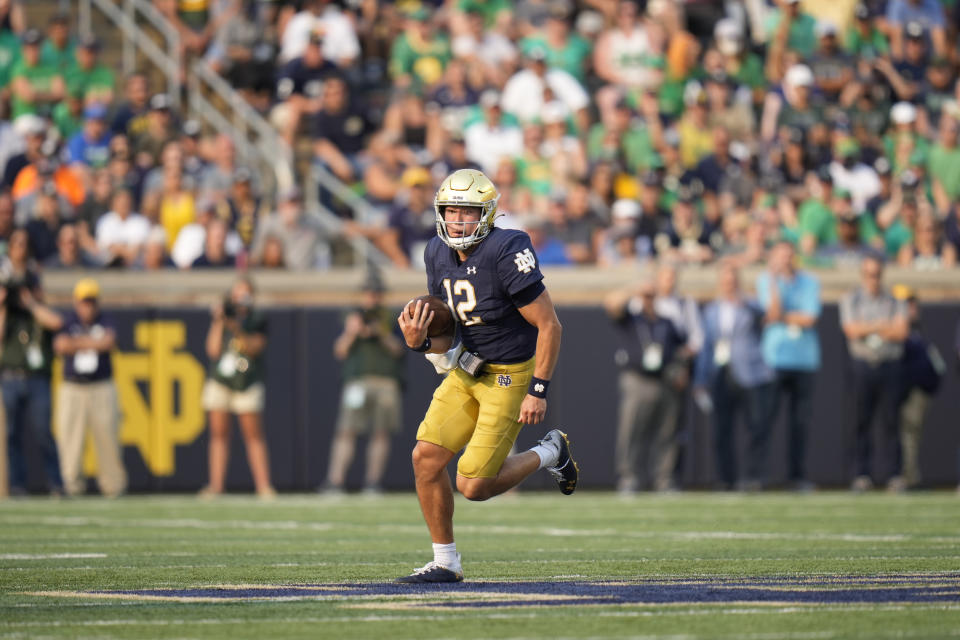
column 538, row 388
column 471, row 271
column 525, row 261
column 504, row 380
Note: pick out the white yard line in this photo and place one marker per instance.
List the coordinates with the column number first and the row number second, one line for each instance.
column 48, row 556
column 459, row 615
column 293, row 525
column 636, row 560
column 135, row 567
column 169, row 523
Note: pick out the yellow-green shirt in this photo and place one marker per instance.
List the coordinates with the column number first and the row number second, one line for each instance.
column 176, row 212
column 40, row 77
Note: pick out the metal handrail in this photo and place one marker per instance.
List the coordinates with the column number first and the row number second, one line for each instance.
column 161, row 24
column 365, row 250
column 168, row 62
column 272, row 151
column 265, row 145
column 200, row 105
column 269, row 143
column 363, row 209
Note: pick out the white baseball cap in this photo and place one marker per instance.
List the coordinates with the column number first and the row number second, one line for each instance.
column 799, row 75
column 903, row 113
column 625, row 209
column 463, row 47
column 553, row 112
column 656, row 7
column 727, row 29
column 490, row 98
column 29, row 124
column 825, row 28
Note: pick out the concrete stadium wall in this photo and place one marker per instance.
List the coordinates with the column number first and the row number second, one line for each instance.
column 160, row 365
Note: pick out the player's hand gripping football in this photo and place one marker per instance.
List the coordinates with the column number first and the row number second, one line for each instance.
column 532, row 409
column 414, row 326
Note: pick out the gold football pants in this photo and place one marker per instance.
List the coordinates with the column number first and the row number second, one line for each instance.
column 479, row 414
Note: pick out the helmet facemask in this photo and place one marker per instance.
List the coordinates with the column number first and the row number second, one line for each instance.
column 480, row 231
column 466, row 188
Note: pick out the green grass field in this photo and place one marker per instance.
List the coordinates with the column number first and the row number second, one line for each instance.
column 691, row 565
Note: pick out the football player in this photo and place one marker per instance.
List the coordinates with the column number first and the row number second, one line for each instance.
column 511, row 338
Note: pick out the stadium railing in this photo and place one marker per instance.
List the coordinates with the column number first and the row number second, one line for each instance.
column 258, row 143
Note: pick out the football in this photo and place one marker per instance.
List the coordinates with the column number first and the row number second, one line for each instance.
column 442, row 318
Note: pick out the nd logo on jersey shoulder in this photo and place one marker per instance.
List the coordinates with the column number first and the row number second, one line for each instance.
column 158, row 390
column 525, row 261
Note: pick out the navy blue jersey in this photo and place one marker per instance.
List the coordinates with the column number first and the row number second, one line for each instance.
column 89, row 365
column 486, row 291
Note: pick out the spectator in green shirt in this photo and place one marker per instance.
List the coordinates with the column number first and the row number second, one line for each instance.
column 9, row 56
column 36, row 86
column 490, row 10
column 67, row 115
column 817, row 225
column 57, row 51
column 739, row 63
column 903, row 145
column 863, row 39
column 419, row 54
column 533, row 169
column 943, row 165
column 622, row 140
column 565, row 50
column 88, row 78
column 855, row 235
column 799, row 27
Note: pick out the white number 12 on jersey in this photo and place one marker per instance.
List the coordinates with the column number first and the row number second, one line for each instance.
column 464, row 288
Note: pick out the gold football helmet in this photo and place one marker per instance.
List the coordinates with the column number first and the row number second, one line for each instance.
column 466, row 188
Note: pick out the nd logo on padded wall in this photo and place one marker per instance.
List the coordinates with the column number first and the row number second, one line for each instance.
column 158, row 390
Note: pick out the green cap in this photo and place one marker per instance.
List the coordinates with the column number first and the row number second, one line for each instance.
column 420, row 14
column 843, row 194
column 848, row 147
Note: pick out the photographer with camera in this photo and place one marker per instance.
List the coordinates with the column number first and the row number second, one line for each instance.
column 370, row 404
column 235, row 344
column 26, row 354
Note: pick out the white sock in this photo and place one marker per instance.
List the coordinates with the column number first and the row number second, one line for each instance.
column 446, row 555
column 548, row 455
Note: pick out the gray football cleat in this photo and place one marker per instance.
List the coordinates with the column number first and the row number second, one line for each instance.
column 432, row 572
column 565, row 472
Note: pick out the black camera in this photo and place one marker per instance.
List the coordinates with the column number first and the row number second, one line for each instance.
column 229, row 308
column 14, row 285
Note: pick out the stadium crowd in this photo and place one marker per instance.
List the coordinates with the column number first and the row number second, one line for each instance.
column 616, row 131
